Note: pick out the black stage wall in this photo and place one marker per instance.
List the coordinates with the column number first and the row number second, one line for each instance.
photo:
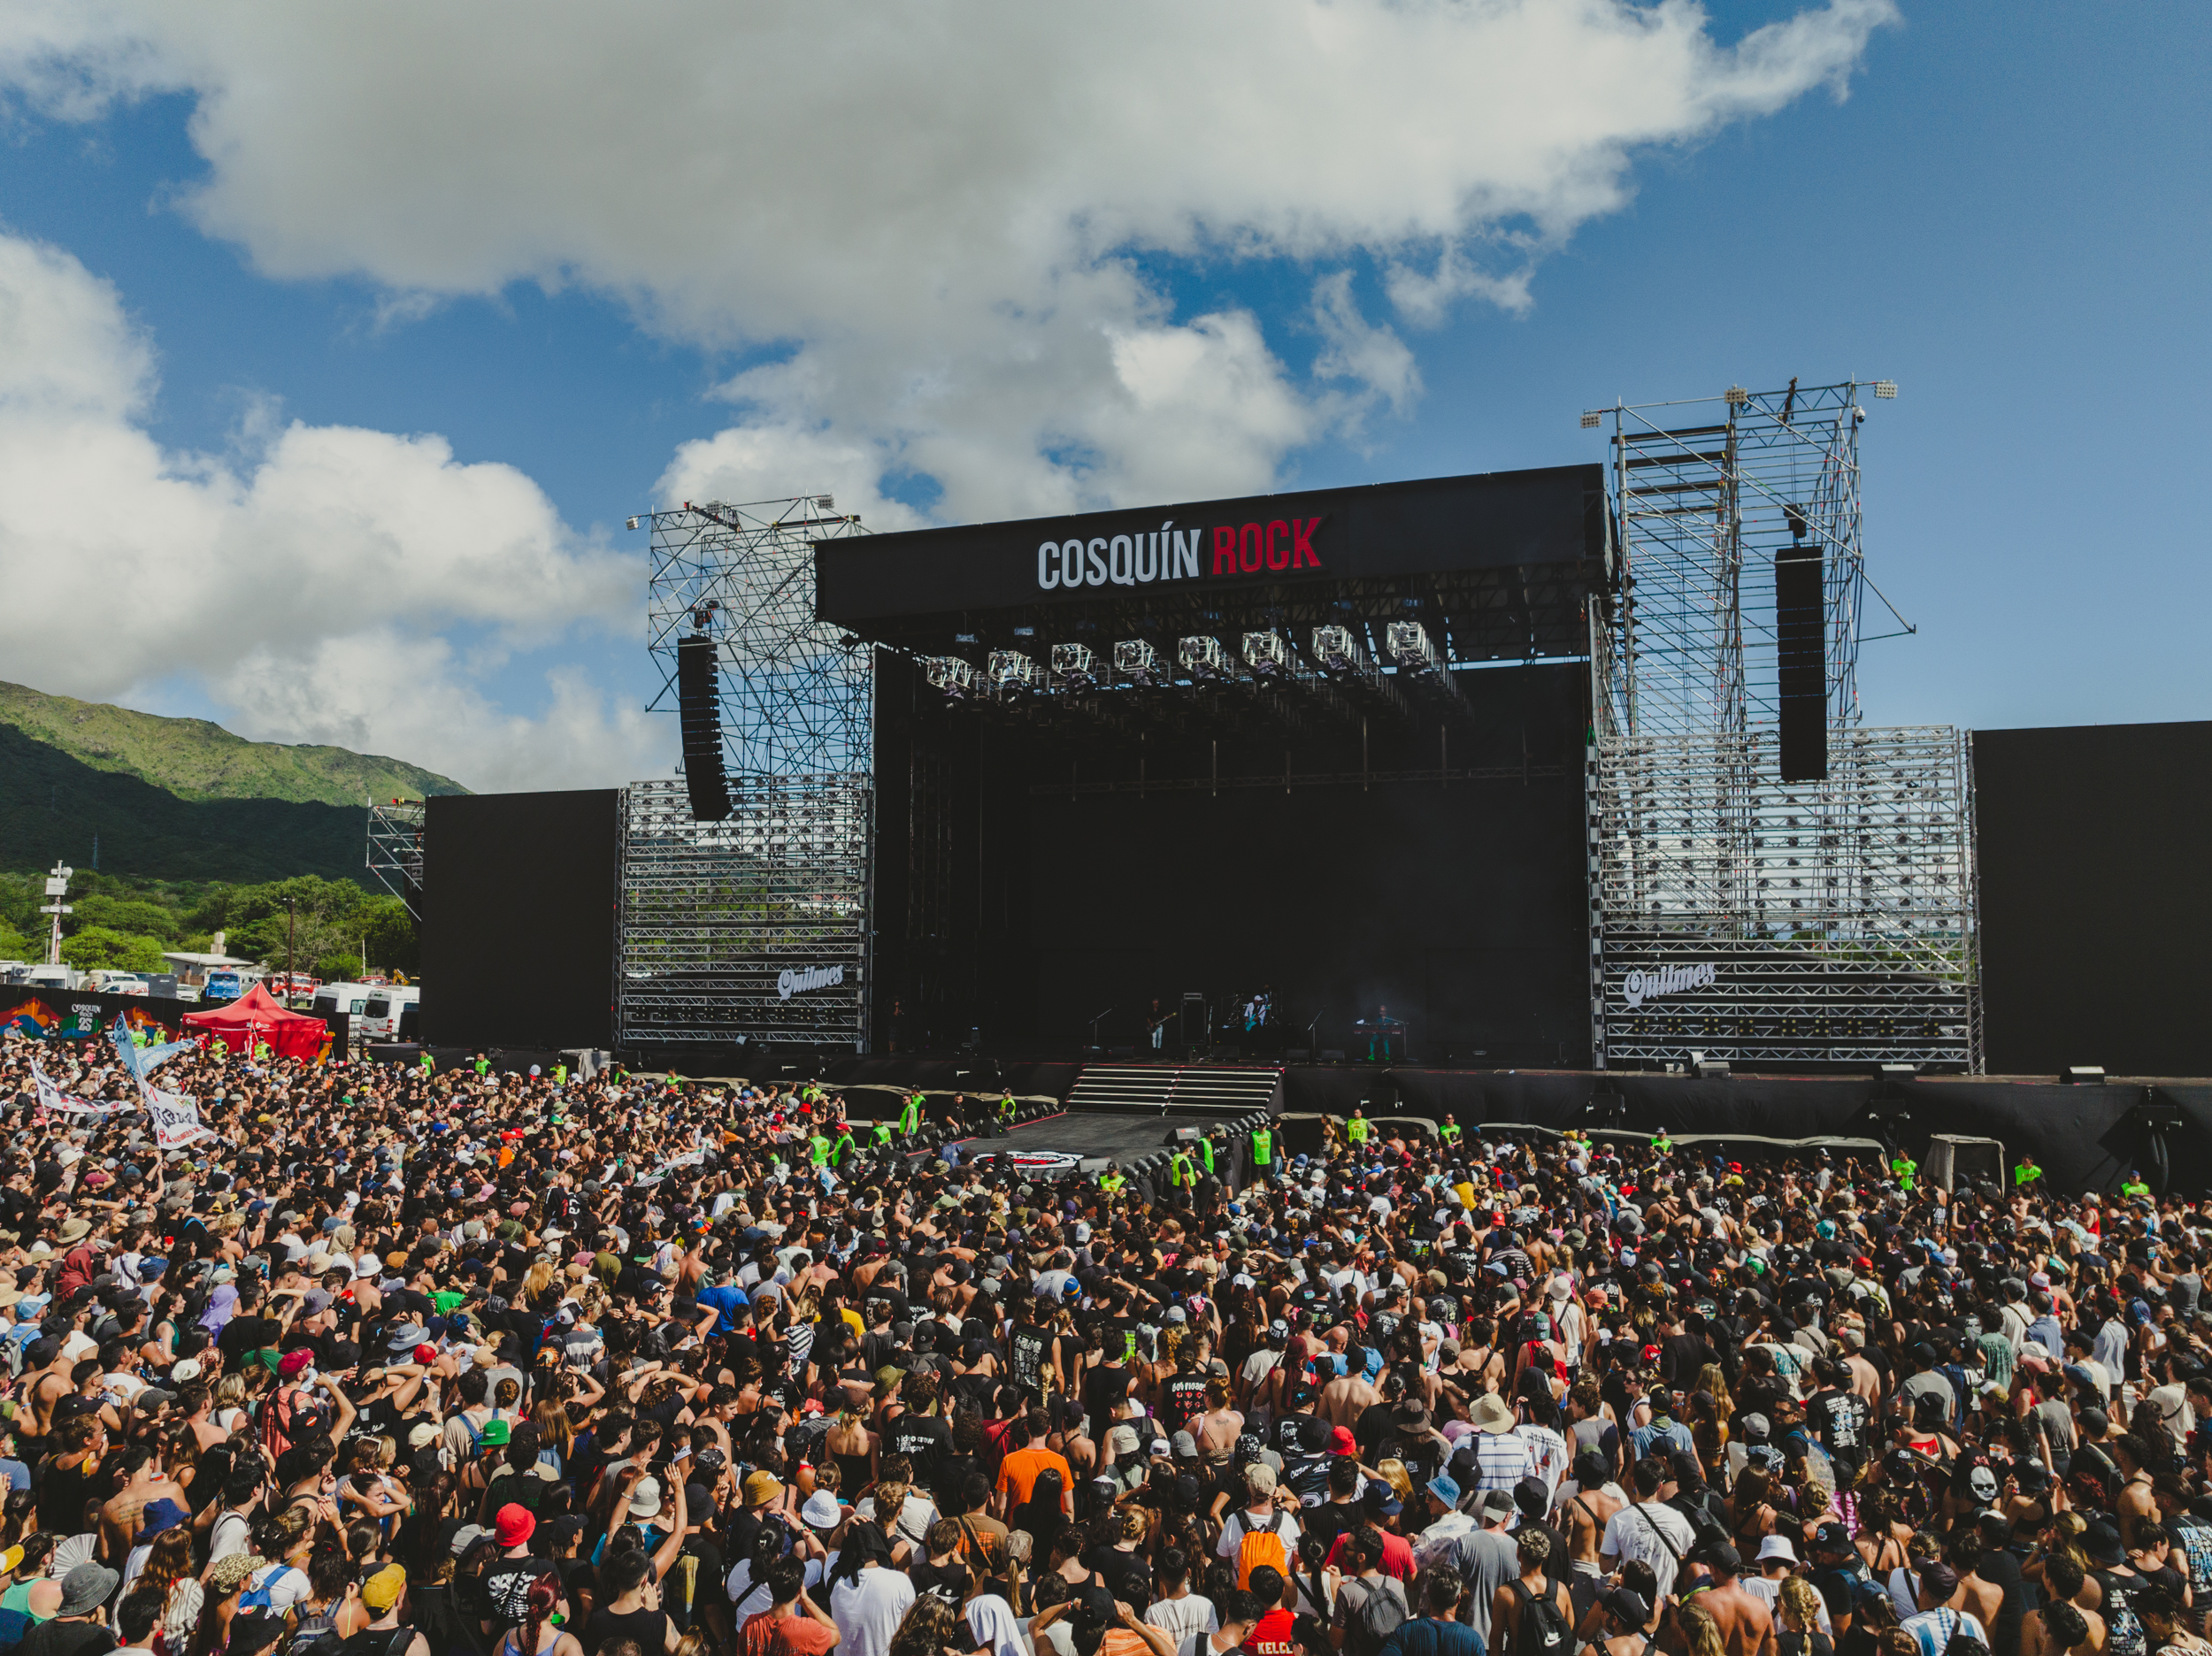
column 517, row 935
column 2096, row 897
column 1013, row 898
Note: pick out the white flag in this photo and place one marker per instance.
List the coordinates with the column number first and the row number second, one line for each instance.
column 176, row 1118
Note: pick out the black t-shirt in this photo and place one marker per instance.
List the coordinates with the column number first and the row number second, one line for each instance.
column 923, row 1440
column 649, row 1628
column 1186, row 1397
column 247, row 1332
column 1374, row 1429
column 508, row 1581
column 1027, row 1350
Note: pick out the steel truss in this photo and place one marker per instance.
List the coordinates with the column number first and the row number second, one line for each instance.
column 755, row 927
column 395, row 851
column 795, row 691
column 1733, row 915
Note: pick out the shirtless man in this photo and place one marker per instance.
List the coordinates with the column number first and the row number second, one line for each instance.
column 1534, row 1582
column 1348, row 1397
column 148, row 1481
column 1581, row 1517
column 1747, row 1626
column 56, row 1380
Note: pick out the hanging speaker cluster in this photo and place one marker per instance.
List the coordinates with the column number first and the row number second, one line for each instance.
column 1801, row 652
column 699, row 707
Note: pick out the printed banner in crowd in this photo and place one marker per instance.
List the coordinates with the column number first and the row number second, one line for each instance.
column 50, row 1097
column 176, row 1118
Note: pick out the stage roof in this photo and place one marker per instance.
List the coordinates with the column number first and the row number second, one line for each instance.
column 1501, row 561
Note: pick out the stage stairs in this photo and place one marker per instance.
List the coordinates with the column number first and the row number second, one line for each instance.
column 1178, row 1089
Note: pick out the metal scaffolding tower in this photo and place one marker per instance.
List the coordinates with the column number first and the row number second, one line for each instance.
column 794, row 691
column 1735, row 915
column 395, row 851
column 755, row 927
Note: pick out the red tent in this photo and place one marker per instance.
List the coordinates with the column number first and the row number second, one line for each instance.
column 257, row 1016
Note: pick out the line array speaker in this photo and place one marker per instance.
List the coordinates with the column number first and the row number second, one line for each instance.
column 1801, row 663
column 699, row 708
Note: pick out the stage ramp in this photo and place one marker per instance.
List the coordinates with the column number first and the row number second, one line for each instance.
column 1209, row 1090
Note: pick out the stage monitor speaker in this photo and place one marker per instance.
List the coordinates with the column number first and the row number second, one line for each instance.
column 1801, row 651
column 699, row 709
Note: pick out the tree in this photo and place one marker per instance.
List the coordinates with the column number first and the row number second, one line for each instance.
column 100, row 946
column 338, row 968
column 15, row 947
column 122, row 914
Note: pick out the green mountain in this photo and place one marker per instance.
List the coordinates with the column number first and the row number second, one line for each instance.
column 194, row 760
column 53, row 805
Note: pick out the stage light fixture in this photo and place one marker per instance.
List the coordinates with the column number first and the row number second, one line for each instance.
column 950, row 677
column 1412, row 647
column 1736, row 396
column 1074, row 667
column 1339, row 651
column 1014, row 675
column 630, row 523
column 827, row 502
column 1136, row 661
column 1267, row 656
column 1886, row 389
column 1203, row 659
column 1590, row 418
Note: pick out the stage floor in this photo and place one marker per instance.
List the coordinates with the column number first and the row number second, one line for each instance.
column 1124, row 1138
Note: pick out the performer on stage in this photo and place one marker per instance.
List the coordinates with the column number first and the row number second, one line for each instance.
column 1158, row 1020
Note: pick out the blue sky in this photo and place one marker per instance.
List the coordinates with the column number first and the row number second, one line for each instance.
column 2008, row 215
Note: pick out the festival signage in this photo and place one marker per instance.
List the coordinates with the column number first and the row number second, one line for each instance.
column 1552, row 516
column 1640, row 986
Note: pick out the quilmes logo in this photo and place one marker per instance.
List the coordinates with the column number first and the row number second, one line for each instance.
column 1168, row 554
column 790, row 982
column 1640, row 986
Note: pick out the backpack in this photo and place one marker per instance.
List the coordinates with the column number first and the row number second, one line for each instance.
column 1258, row 1547
column 1379, row 1616
column 256, row 1599
column 1543, row 1629
column 1708, row 1528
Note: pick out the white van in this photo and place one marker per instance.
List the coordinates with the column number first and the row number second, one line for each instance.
column 349, row 998
column 379, row 1019
column 50, row 977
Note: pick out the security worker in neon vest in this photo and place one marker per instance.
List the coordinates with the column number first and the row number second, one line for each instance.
column 1263, row 1152
column 1449, row 1132
column 1182, row 1171
column 1006, row 1110
column 1901, row 1168
column 2134, row 1187
column 560, row 1074
column 1661, row 1143
column 2025, row 1171
column 818, row 1143
column 881, row 1133
column 1206, row 1152
column 1355, row 1129
column 1111, row 1181
column 911, row 1116
column 427, row 1064
column 844, row 1144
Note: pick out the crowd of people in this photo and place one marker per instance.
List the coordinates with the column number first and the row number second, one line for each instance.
column 404, row 1362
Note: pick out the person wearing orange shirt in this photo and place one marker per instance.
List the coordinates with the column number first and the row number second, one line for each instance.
column 1018, row 1472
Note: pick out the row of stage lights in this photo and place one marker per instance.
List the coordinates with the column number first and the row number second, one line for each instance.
column 1338, row 654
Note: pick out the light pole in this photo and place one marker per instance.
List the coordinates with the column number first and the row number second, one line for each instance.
column 56, row 888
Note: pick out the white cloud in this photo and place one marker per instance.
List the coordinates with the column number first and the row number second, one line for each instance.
column 935, row 212
column 315, row 585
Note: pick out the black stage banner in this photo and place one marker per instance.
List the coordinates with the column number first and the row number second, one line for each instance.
column 1499, row 521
